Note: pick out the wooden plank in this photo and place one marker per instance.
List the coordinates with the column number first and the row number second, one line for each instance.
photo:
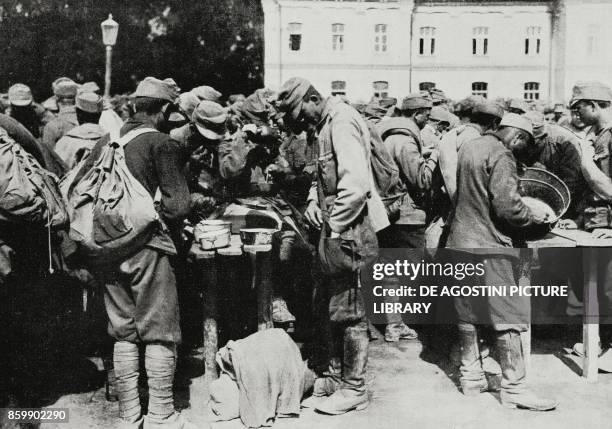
column 551, row 240
column 590, row 330
column 583, row 238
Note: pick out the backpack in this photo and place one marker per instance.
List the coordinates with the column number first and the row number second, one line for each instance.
column 29, row 194
column 386, row 174
column 112, row 214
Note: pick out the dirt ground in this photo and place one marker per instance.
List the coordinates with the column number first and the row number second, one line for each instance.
column 412, row 385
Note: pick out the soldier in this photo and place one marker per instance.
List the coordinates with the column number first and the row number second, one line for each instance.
column 592, row 103
column 438, row 124
column 416, row 164
column 345, row 205
column 488, row 214
column 558, row 151
column 140, row 292
column 65, row 94
column 50, row 104
column 78, row 142
column 199, row 141
column 478, row 117
column 25, row 110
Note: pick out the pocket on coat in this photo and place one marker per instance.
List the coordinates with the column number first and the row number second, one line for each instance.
column 337, row 256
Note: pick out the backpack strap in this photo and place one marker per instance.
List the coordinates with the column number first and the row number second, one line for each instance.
column 131, row 135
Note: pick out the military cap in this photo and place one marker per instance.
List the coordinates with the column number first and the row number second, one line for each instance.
column 50, row 104
column 437, row 95
column 207, row 93
column 518, row 104
column 172, row 83
column 292, row 94
column 20, row 95
column 374, row 109
column 488, row 108
column 466, row 105
column 256, row 108
column 154, row 88
column 596, row 91
column 517, row 121
column 439, row 114
column 89, row 87
column 58, row 81
column 537, row 122
column 559, row 108
column 89, row 102
column 209, row 118
column 387, row 102
column 417, row 100
column 66, row 89
column 188, row 102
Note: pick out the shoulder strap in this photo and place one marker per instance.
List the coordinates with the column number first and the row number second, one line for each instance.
column 131, row 135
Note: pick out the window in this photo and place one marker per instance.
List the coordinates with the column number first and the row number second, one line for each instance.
column 532, row 91
column 338, row 37
column 338, row 87
column 426, row 86
column 295, row 36
column 380, row 38
column 381, row 89
column 480, row 88
column 480, row 41
column 533, row 41
column 427, row 41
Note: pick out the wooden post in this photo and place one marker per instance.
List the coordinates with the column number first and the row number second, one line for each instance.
column 208, row 281
column 590, row 332
column 261, row 262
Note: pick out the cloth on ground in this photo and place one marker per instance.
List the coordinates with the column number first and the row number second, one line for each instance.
column 268, row 369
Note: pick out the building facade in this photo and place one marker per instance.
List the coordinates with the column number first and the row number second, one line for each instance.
column 532, row 49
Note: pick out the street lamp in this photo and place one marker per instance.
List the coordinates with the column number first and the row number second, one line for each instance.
column 110, row 28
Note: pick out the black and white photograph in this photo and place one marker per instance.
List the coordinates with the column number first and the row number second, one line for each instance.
column 306, row 214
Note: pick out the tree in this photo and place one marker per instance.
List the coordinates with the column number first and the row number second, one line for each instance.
column 213, row 42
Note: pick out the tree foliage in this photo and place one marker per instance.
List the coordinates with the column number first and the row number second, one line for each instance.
column 205, row 42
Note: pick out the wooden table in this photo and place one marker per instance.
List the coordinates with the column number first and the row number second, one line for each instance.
column 590, row 331
column 211, row 266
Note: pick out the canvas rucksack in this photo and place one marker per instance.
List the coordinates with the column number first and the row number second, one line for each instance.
column 29, row 194
column 112, row 214
column 386, row 174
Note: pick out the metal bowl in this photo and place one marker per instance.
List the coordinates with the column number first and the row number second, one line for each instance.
column 257, row 236
column 215, row 239
column 544, row 186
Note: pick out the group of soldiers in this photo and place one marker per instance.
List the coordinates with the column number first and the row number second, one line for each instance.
column 457, row 167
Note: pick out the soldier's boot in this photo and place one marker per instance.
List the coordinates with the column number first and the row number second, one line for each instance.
column 160, row 362
column 326, row 385
column 352, row 393
column 126, row 364
column 514, row 390
column 472, row 379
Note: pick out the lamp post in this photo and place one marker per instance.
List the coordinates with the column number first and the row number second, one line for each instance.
column 110, row 29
